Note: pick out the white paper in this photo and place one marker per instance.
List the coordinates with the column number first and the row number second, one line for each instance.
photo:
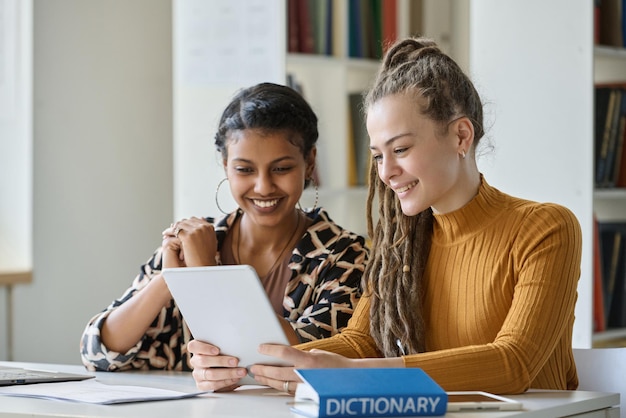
column 92, row 391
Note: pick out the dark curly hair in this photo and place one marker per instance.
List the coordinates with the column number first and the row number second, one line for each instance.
column 269, row 107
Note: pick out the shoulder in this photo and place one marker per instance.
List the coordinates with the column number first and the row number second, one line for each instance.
column 542, row 225
column 222, row 224
column 324, row 232
column 528, row 218
column 546, row 214
column 530, row 211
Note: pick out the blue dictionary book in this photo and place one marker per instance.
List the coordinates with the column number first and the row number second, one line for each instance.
column 378, row 392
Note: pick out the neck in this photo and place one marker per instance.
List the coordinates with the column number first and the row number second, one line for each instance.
column 267, row 238
column 466, row 188
column 262, row 252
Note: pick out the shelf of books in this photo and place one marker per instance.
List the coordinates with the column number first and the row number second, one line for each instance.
column 609, row 300
column 334, row 87
column 343, row 28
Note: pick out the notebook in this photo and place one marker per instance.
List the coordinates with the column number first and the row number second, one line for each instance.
column 227, row 306
column 21, row 376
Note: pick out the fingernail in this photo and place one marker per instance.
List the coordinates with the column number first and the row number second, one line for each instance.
column 232, row 362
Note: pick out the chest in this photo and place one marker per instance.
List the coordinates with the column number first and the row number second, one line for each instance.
column 469, row 289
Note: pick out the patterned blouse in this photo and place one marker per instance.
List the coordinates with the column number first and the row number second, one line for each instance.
column 326, row 268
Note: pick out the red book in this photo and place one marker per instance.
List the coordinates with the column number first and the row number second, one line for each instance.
column 293, row 37
column 305, row 26
column 390, row 22
column 599, row 322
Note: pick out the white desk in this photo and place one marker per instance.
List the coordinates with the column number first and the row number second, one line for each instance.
column 267, row 403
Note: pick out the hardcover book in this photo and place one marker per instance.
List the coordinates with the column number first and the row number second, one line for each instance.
column 613, row 250
column 368, row 392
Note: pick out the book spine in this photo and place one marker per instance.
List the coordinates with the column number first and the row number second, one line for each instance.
column 612, row 141
column 613, row 255
column 389, row 22
column 610, row 23
column 340, row 28
column 603, row 147
column 620, row 180
column 599, row 317
column 293, row 36
column 354, row 29
column 383, row 406
column 306, row 40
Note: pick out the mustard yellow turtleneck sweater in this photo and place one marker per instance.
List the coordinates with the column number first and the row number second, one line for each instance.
column 500, row 290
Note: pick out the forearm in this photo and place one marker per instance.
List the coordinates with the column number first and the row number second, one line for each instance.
column 391, row 362
column 354, row 341
column 127, row 324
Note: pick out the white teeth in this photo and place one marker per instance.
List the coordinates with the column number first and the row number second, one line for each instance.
column 265, row 203
column 405, row 188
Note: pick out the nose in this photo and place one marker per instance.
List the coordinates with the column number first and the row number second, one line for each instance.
column 264, row 184
column 387, row 169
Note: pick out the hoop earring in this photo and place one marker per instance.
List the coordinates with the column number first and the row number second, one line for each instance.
column 217, row 190
column 317, row 195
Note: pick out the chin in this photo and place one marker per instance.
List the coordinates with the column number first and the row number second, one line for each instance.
column 411, row 209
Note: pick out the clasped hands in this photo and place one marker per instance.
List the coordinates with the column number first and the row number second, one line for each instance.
column 213, row 371
column 189, row 243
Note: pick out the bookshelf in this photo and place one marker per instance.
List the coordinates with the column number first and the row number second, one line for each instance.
column 609, row 204
column 326, row 83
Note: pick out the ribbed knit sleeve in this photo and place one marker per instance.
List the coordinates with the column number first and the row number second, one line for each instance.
column 500, row 291
column 355, row 340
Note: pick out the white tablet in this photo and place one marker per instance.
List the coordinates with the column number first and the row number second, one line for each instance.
column 480, row 401
column 227, row 307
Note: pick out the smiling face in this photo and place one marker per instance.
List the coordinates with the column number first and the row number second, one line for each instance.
column 415, row 157
column 266, row 173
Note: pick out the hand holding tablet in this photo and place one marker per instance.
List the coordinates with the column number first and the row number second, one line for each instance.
column 227, row 307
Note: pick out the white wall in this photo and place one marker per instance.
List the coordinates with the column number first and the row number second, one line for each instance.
column 532, row 62
column 102, row 151
column 15, row 134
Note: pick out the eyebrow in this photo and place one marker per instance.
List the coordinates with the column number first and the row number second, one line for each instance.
column 392, row 139
column 278, row 160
